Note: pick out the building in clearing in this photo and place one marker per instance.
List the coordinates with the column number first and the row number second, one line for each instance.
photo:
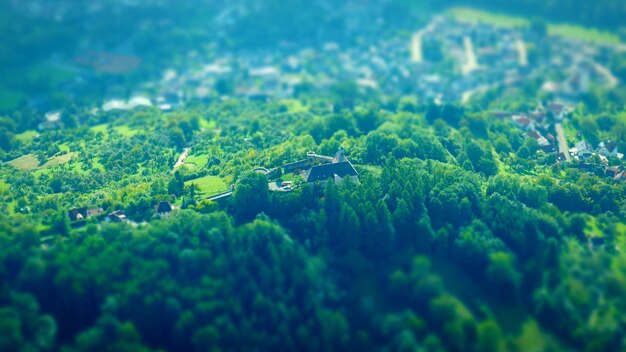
column 338, row 169
column 163, row 209
column 84, row 213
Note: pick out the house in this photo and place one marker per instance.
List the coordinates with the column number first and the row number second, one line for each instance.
column 78, row 214
column 523, row 122
column 620, row 177
column 608, row 149
column 560, row 157
column 612, row 172
column 53, row 121
column 583, row 150
column 339, row 169
column 163, row 209
column 558, row 110
column 116, row 216
column 541, row 140
column 295, row 166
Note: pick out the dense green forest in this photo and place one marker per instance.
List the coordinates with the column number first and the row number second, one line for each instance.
column 187, row 227
column 447, row 242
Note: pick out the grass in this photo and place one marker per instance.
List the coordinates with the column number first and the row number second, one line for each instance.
column 30, row 162
column 194, row 162
column 294, row 105
column 497, row 19
column 209, row 185
column 126, row 131
column 469, row 14
column 208, row 124
column 58, row 160
column 27, row 137
column 26, row 162
column 100, row 128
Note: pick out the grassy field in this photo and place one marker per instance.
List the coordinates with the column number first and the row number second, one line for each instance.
column 561, row 29
column 208, row 124
column 194, row 162
column 30, row 162
column 58, row 160
column 209, row 185
column 27, row 137
column 26, row 162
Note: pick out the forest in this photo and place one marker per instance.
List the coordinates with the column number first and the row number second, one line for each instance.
column 179, row 227
column 448, row 241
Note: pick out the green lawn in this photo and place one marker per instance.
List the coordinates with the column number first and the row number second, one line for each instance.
column 209, row 185
column 58, row 160
column 100, row 128
column 208, row 124
column 194, row 162
column 470, row 14
column 26, row 162
column 27, row 137
column 294, row 105
column 126, row 131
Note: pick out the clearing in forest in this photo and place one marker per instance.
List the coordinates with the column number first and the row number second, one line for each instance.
column 209, row 185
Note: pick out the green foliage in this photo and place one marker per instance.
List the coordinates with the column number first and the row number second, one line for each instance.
column 451, row 239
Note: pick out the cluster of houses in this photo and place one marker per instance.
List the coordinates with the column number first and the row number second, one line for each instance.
column 80, row 215
column 543, row 125
column 447, row 61
column 483, row 57
column 588, row 158
column 540, row 125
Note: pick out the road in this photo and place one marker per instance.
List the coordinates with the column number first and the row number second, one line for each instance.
column 416, row 47
column 182, row 158
column 560, row 135
column 417, row 52
column 523, row 53
column 472, row 61
column 611, row 80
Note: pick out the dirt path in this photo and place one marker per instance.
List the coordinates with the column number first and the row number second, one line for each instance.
column 182, row 158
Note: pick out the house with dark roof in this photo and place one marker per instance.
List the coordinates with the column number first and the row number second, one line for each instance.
column 608, row 149
column 163, row 209
column 78, row 214
column 337, row 170
column 117, row 216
